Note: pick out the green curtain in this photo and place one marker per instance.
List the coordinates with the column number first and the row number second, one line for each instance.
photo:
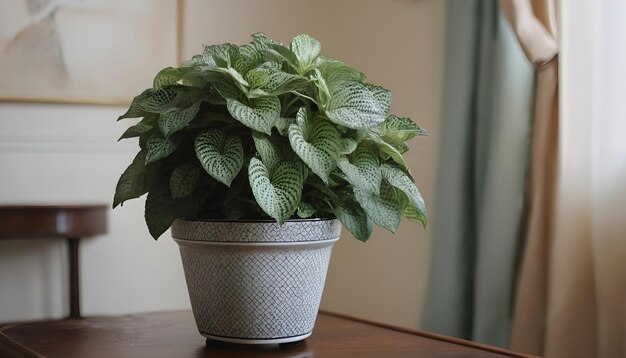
column 484, row 151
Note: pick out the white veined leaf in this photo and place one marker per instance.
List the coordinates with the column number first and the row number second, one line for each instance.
column 306, row 49
column 316, row 142
column 220, row 155
column 335, row 71
column 305, row 210
column 347, row 145
column 166, row 77
column 277, row 193
column 399, row 129
column 183, row 180
column 354, row 106
column 388, row 150
column 257, row 78
column 176, row 119
column 260, row 116
column 385, row 209
column 159, row 100
column 402, row 181
column 132, row 183
column 282, row 53
column 270, row 155
column 363, row 170
column 147, row 124
column 382, row 95
column 159, row 147
column 135, row 110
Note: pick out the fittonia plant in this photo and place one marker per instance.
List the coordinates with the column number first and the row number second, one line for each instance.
column 263, row 131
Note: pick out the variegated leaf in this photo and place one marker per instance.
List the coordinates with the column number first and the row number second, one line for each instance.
column 382, row 95
column 176, row 119
column 159, row 147
column 257, row 78
column 306, row 49
column 147, row 124
column 416, row 215
column 347, row 145
column 132, row 183
column 388, row 150
column 363, row 170
column 401, row 180
column 354, row 106
column 282, row 53
column 277, row 193
column 334, row 71
column 166, row 77
column 399, row 129
column 316, row 142
column 135, row 110
column 260, row 116
column 220, row 155
column 160, row 100
column 269, row 153
column 305, row 210
column 183, row 180
column 385, row 209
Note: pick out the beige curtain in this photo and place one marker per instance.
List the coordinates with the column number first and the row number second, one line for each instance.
column 570, row 291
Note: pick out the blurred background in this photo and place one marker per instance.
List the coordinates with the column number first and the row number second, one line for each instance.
column 524, row 171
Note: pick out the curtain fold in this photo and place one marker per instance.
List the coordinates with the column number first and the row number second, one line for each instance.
column 572, row 284
column 485, row 138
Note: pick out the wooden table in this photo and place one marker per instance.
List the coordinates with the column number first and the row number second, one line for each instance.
column 70, row 222
column 174, row 335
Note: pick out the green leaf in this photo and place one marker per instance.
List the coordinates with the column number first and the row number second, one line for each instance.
column 388, row 150
column 176, row 119
column 416, row 215
column 132, row 183
column 383, row 96
column 160, row 100
column 267, row 150
column 262, row 41
column 147, row 124
column 282, row 53
column 363, row 170
column 159, row 147
column 261, row 116
column 166, row 77
column 402, row 181
column 353, row 217
column 399, row 129
column 354, row 106
column 158, row 213
column 257, row 78
column 306, row 49
column 183, row 180
column 135, row 110
column 385, row 209
column 277, row 193
column 305, row 210
column 220, row 155
column 316, row 142
column 334, row 71
column 347, row 145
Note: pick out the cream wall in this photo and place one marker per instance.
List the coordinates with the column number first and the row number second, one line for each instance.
column 400, row 45
column 52, row 153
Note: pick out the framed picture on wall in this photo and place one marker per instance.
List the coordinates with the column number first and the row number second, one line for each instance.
column 84, row 51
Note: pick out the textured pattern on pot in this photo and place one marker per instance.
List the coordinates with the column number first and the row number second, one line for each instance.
column 256, row 281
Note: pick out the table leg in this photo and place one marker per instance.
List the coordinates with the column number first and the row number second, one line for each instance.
column 73, row 284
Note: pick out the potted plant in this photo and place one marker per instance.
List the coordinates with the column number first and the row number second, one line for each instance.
column 255, row 155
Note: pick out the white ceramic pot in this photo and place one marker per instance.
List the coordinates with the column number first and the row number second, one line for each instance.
column 255, row 282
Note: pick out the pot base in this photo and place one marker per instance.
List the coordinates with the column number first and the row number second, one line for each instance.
column 257, row 341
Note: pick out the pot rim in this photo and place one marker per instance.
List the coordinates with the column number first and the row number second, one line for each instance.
column 184, row 242
column 255, row 220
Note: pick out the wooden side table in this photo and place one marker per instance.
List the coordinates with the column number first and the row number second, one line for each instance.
column 71, row 222
column 174, row 334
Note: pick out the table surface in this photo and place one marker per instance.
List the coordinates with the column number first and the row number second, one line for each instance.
column 174, row 334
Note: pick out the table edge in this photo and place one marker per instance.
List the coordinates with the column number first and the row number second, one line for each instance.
column 430, row 335
column 8, row 344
